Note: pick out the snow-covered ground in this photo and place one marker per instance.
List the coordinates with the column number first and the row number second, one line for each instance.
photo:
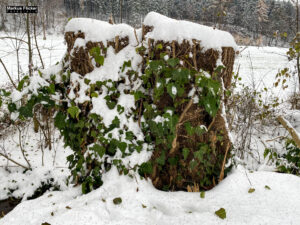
column 52, row 50
column 276, row 199
column 258, row 66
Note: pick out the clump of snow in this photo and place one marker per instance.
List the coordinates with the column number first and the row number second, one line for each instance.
column 100, row 31
column 168, row 30
column 174, row 90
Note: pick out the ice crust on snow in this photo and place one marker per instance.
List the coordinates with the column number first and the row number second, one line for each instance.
column 167, row 29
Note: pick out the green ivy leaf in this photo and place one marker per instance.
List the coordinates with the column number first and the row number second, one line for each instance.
column 59, row 120
column 117, row 201
column 99, row 149
column 170, row 90
column 199, row 155
column 159, row 46
column 51, row 89
column 221, row 213
column 251, row 190
column 161, row 159
column 94, row 95
column 126, row 64
column 202, row 194
column 185, row 153
column 74, row 111
column 12, row 107
column 173, row 62
column 145, row 168
column 122, row 146
column 26, row 111
column 193, row 164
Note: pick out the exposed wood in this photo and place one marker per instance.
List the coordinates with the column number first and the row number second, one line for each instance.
column 290, row 129
column 174, row 142
column 116, row 44
column 221, row 177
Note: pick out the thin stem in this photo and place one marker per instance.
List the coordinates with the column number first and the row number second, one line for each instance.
column 19, row 164
column 11, row 80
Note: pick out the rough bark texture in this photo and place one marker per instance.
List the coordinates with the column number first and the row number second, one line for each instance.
column 80, row 60
column 193, row 57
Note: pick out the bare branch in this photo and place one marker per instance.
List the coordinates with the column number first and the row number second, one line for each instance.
column 11, row 80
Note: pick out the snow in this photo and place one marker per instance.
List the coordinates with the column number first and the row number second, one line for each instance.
column 52, row 50
column 174, row 90
column 169, row 30
column 143, row 204
column 14, row 182
column 258, row 66
column 100, row 31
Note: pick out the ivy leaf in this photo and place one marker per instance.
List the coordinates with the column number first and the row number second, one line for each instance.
column 171, row 91
column 99, row 149
column 173, row 62
column 74, row 112
column 51, row 89
column 181, row 76
column 199, row 155
column 185, row 153
column 221, row 213
column 251, row 190
column 94, row 95
column 126, row 64
column 161, row 159
column 117, row 201
column 145, row 168
column 159, row 46
column 12, row 107
column 202, row 194
column 26, row 111
column 59, row 120
column 193, row 164
column 122, row 146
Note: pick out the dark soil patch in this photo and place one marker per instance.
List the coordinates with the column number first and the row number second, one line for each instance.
column 8, row 205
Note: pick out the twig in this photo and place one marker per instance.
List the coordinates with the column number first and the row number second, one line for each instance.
column 11, row 80
column 137, row 40
column 140, row 112
column 19, row 164
column 18, row 39
column 21, row 147
column 36, row 43
column 275, row 138
column 248, row 178
column 221, row 177
column 174, row 142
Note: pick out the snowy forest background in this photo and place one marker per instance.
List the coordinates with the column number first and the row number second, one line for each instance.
column 255, row 22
